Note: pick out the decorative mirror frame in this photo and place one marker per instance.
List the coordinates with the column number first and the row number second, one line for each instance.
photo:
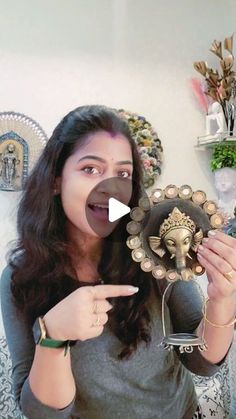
column 21, row 142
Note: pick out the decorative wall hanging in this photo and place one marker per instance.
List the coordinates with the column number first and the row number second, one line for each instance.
column 148, row 143
column 166, row 230
column 21, row 141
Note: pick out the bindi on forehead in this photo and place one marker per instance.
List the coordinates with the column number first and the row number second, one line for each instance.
column 113, row 135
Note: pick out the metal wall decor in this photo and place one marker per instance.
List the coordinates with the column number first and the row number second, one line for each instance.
column 166, row 216
column 21, row 141
column 165, row 232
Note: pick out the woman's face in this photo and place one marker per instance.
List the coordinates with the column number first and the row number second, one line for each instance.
column 84, row 194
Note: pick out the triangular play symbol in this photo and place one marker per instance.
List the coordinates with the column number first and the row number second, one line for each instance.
column 116, row 209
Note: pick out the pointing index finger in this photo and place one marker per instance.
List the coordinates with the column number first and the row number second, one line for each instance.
column 108, row 291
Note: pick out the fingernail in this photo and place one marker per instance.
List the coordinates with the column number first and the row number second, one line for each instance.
column 201, row 248
column 211, row 233
column 133, row 289
column 205, row 240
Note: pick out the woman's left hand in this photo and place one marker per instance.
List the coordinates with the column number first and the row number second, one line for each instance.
column 218, row 256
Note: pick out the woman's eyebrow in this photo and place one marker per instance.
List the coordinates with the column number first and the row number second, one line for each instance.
column 103, row 160
column 125, row 162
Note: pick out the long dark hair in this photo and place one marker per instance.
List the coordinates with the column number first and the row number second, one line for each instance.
column 41, row 258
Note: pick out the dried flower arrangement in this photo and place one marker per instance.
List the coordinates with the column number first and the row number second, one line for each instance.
column 221, row 86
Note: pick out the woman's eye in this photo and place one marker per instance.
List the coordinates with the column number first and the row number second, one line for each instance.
column 91, row 170
column 124, row 173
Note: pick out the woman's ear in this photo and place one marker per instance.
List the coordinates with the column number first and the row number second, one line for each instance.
column 57, row 186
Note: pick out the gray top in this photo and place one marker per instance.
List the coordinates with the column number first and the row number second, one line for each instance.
column 153, row 384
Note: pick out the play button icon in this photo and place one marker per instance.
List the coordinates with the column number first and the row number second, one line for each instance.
column 108, row 205
column 117, row 210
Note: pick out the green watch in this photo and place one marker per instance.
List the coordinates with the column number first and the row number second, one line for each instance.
column 41, row 338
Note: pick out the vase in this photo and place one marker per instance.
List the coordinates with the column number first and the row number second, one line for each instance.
column 229, row 109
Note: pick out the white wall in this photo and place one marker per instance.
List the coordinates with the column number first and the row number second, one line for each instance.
column 58, row 54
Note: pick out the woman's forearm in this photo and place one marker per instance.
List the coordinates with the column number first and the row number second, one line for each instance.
column 218, row 339
column 51, row 379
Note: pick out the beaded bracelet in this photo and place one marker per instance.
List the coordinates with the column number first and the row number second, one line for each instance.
column 213, row 324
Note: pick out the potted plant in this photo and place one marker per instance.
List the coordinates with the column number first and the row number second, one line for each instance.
column 224, row 155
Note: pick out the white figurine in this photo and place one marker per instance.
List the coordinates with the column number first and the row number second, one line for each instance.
column 216, row 116
column 225, row 183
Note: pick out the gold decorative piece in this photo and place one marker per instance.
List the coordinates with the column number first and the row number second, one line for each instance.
column 166, row 233
column 145, row 203
column 138, row 254
column 21, row 142
column 175, row 220
column 147, row 265
column 157, row 195
column 133, row 227
column 133, row 242
column 137, row 214
column 185, row 192
column 171, row 191
column 198, row 269
column 185, row 341
column 217, row 220
column 210, row 207
column 159, row 272
column 199, row 197
column 174, row 246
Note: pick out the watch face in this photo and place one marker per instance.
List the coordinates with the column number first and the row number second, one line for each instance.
column 36, row 331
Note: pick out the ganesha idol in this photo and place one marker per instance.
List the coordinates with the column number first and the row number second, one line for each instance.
column 165, row 232
column 167, row 229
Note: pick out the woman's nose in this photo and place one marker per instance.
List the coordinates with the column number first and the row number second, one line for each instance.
column 116, row 187
column 110, row 186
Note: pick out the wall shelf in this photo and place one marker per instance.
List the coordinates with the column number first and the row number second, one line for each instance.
column 210, row 141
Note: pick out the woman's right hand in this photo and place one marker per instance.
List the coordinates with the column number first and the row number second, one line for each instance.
column 83, row 314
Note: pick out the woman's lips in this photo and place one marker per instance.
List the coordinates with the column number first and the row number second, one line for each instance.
column 98, row 212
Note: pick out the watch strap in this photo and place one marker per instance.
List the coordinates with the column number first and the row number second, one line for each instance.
column 52, row 343
column 48, row 342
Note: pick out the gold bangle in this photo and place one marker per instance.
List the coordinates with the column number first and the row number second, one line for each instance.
column 213, row 324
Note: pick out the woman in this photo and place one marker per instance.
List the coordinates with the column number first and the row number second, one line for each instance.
column 64, row 272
